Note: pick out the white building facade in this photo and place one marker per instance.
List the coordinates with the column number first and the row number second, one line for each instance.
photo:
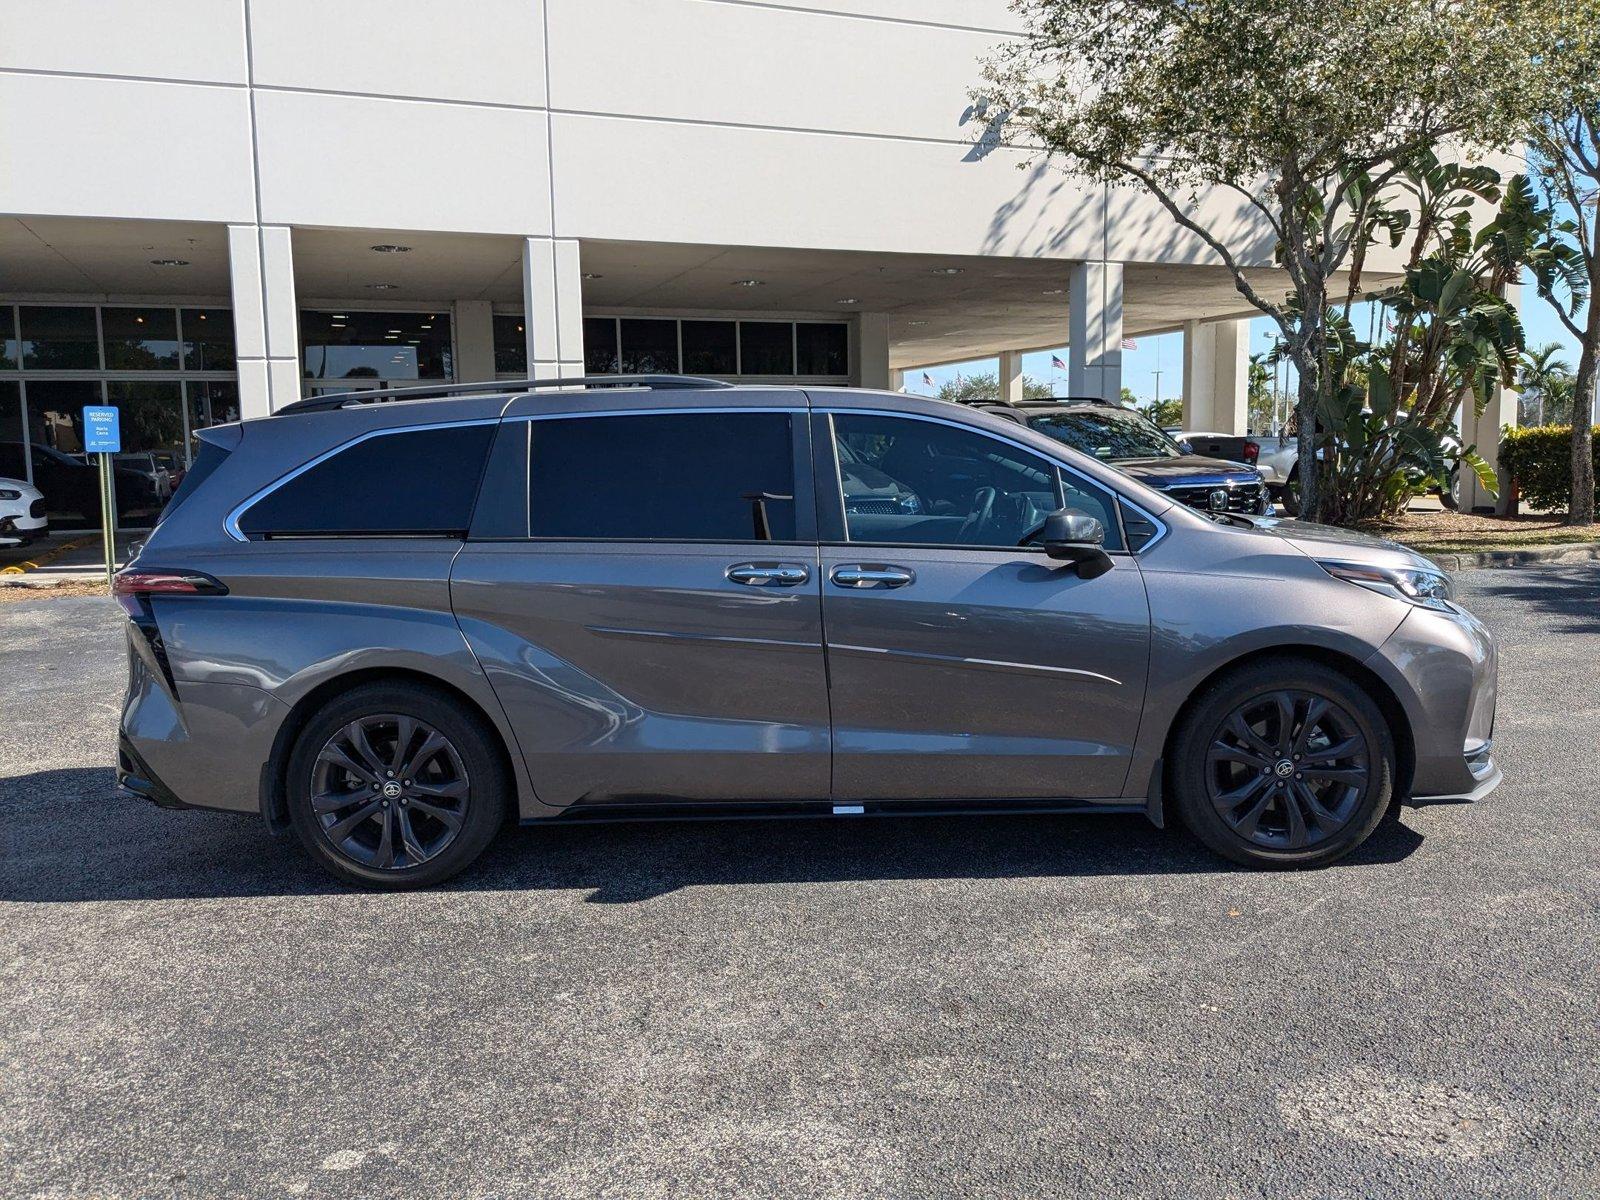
column 209, row 208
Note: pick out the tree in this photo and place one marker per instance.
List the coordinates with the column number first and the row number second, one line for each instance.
column 985, row 389
column 1546, row 381
column 1565, row 159
column 1166, row 413
column 1302, row 113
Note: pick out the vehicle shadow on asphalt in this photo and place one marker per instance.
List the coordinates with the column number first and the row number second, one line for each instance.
column 69, row 836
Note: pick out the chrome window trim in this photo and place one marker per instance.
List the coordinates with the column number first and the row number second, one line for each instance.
column 830, row 413
column 230, row 524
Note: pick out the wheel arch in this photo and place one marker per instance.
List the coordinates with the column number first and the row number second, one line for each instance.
column 1405, row 747
column 274, row 772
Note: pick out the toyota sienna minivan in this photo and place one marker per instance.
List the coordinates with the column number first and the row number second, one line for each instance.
column 394, row 622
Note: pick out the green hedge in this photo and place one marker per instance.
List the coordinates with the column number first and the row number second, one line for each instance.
column 1539, row 461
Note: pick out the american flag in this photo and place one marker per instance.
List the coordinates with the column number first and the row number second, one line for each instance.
column 927, row 380
column 1055, row 361
column 1129, row 344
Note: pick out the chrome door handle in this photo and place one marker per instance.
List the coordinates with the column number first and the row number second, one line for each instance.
column 767, row 574
column 870, row 575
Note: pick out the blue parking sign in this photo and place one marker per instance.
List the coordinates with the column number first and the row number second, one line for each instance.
column 102, row 430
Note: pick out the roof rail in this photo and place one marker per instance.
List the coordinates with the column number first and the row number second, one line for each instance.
column 337, row 400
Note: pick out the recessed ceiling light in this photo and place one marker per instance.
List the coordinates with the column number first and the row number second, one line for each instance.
column 140, row 320
column 593, row 275
column 916, row 322
column 947, row 270
column 396, row 331
column 847, row 300
column 169, row 262
column 748, row 282
column 383, row 287
column 1054, row 292
column 391, row 248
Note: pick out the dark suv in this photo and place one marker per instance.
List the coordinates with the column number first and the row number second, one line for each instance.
column 393, row 621
column 1139, row 446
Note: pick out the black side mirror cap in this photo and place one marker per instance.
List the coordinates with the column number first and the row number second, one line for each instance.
column 1070, row 535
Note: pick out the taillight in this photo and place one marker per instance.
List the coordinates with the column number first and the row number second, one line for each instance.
column 130, row 586
column 1251, row 452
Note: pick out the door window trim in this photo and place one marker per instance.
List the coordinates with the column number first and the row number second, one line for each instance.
column 826, row 455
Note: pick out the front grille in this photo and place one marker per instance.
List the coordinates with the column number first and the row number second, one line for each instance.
column 36, row 509
column 1242, row 497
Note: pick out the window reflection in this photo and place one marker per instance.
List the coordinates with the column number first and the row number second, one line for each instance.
column 208, row 339
column 376, row 345
column 140, row 339
column 58, row 338
column 510, row 346
column 766, row 348
column 10, row 357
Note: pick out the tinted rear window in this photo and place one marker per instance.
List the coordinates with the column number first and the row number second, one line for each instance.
column 724, row 477
column 422, row 482
column 208, row 460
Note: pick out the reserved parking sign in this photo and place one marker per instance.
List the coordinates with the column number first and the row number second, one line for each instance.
column 102, row 430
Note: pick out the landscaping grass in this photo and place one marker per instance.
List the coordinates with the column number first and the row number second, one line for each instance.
column 1466, row 533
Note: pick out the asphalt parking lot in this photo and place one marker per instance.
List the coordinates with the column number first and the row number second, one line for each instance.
column 983, row 1007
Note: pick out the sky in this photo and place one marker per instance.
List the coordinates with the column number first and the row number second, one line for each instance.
column 1164, row 354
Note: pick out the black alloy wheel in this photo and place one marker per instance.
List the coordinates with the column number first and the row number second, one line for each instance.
column 390, row 791
column 1287, row 770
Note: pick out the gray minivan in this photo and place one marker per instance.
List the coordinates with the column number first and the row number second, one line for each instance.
column 394, row 621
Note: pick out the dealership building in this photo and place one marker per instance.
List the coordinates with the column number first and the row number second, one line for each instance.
column 209, row 208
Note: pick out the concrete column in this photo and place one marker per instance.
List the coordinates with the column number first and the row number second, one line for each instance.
column 266, row 323
column 872, row 352
column 897, row 379
column 1484, row 431
column 552, row 300
column 473, row 322
column 1011, row 376
column 1216, row 376
column 1094, row 346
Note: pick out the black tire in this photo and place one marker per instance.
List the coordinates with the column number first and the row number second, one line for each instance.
column 1314, row 812
column 1291, row 493
column 442, row 819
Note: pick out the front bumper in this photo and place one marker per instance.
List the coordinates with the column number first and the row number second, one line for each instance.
column 22, row 531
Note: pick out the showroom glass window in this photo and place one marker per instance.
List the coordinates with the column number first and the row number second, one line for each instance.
column 59, row 338
column 510, row 346
column 701, row 476
column 392, row 346
column 140, row 339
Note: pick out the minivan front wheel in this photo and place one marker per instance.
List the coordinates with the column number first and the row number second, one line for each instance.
column 1285, row 762
column 395, row 785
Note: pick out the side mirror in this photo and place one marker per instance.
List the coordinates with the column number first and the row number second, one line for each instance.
column 1074, row 536
column 1186, row 446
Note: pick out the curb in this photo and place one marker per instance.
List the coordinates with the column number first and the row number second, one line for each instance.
column 1481, row 559
column 45, row 583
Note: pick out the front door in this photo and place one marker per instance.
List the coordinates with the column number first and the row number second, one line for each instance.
column 964, row 665
column 650, row 617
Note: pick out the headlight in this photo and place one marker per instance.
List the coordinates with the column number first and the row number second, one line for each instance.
column 1430, row 589
column 10, row 494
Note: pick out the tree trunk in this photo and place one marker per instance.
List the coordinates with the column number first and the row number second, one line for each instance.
column 1306, row 415
column 1581, row 510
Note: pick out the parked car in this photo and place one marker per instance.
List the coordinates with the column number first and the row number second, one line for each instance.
column 22, row 515
column 71, row 484
column 660, row 597
column 1131, row 441
column 149, row 468
column 1272, row 455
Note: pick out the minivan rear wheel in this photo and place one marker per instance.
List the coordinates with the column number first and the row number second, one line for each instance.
column 395, row 785
column 1285, row 762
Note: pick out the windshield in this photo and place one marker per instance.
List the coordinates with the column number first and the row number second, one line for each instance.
column 1110, row 434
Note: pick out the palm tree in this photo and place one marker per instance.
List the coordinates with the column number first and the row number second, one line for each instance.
column 1546, row 378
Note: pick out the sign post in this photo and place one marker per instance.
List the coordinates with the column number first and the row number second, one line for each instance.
column 102, row 435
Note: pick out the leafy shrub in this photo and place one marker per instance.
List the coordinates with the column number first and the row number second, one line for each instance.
column 1539, row 461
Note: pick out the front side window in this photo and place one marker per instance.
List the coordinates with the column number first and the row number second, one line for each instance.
column 910, row 482
column 418, row 483
column 701, row 476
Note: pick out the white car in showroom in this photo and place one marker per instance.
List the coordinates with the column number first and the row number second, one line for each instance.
column 22, row 517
